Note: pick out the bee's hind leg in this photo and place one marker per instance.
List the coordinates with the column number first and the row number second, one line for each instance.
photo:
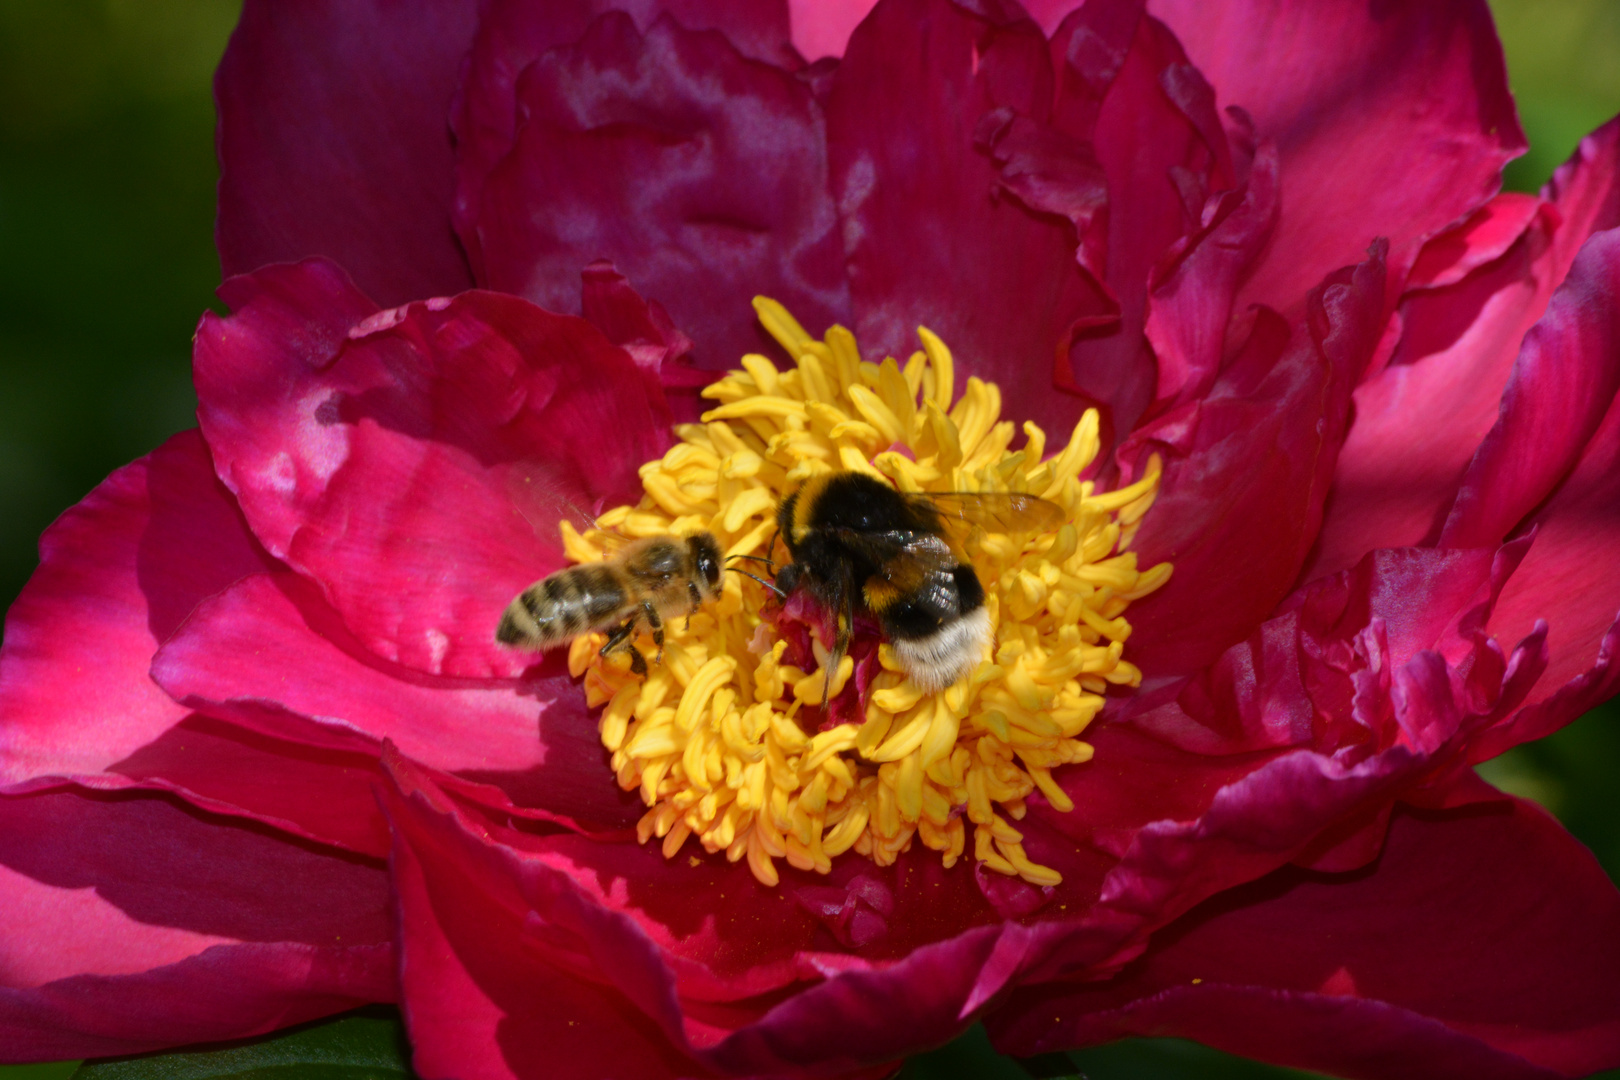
column 620, row 639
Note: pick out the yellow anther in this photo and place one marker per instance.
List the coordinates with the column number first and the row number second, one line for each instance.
column 781, row 325
column 754, row 501
column 721, row 739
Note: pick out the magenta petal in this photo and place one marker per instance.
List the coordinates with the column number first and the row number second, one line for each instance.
column 513, row 34
column 1451, row 957
column 490, row 929
column 700, row 174
column 1399, row 471
column 822, row 27
column 1482, row 238
column 121, row 571
column 1566, row 703
column 134, row 923
column 1287, row 684
column 1246, row 472
column 334, row 139
column 117, row 574
column 1163, row 151
column 1563, row 383
column 1190, row 307
column 485, row 996
column 418, row 468
column 271, row 641
column 1419, row 421
column 1567, row 578
column 1586, row 189
column 320, row 793
column 1355, row 97
column 921, row 83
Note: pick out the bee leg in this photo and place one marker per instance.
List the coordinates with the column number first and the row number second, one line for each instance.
column 843, row 623
column 697, row 602
column 619, row 638
column 657, row 624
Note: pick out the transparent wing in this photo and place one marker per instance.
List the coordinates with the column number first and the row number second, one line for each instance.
column 1004, row 511
column 903, row 553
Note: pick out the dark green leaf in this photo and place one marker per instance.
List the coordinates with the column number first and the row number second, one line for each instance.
column 365, row 1045
column 1173, row 1059
column 53, row 1070
column 970, row 1057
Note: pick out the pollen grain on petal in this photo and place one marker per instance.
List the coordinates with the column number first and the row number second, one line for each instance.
column 730, row 742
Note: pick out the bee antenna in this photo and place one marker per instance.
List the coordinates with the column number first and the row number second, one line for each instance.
column 753, row 558
column 762, row 581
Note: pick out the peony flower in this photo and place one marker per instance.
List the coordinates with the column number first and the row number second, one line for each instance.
column 1230, row 283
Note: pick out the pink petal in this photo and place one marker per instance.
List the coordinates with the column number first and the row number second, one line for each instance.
column 500, row 944
column 1399, row 472
column 482, row 997
column 1246, row 472
column 270, row 654
column 1586, row 189
column 822, row 27
column 121, row 571
column 1563, row 383
column 1452, row 958
column 1390, row 123
column 1568, row 578
column 1544, row 456
column 512, row 35
column 417, row 468
column 1483, row 237
column 1294, row 745
column 740, row 206
column 334, row 140
column 1266, row 693
column 135, row 923
column 320, row 793
column 117, row 574
column 1163, row 151
column 922, row 81
column 1419, row 421
column 1564, row 704
column 1190, row 306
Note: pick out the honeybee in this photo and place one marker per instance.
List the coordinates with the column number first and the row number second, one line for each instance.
column 855, row 540
column 646, row 581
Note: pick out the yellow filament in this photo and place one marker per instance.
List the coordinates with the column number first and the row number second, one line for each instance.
column 711, row 738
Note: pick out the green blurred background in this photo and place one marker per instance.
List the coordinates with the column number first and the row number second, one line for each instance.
column 107, row 180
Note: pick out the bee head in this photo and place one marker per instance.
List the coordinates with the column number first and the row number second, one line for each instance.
column 706, row 556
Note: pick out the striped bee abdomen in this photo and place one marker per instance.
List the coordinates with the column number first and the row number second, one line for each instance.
column 563, row 606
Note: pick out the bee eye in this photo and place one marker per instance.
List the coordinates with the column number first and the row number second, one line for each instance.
column 707, row 558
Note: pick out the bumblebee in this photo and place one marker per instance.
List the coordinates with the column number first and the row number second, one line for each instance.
column 855, row 541
column 646, row 581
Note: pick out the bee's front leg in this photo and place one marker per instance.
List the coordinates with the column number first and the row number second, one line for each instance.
column 697, row 602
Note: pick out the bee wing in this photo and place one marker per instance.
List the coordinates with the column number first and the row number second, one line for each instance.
column 1003, row 511
column 908, row 558
column 883, row 548
column 545, row 501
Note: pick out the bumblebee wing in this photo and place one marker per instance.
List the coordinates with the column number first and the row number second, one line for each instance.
column 914, row 566
column 1003, row 511
column 895, row 547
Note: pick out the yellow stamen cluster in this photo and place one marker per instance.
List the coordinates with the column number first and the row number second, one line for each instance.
column 710, row 736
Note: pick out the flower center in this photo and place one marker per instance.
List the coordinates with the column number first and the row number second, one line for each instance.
column 729, row 738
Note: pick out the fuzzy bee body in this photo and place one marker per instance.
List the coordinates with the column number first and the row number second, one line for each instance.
column 856, row 541
column 649, row 580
